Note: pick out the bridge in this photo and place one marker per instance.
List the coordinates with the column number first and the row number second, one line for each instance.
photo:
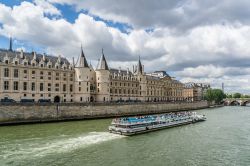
column 236, row 101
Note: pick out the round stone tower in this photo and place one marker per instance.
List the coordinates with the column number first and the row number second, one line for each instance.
column 102, row 80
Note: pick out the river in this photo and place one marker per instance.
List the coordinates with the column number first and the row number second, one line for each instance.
column 224, row 139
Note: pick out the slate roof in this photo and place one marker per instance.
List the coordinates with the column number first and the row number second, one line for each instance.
column 152, row 77
column 112, row 70
column 29, row 56
column 82, row 62
column 102, row 64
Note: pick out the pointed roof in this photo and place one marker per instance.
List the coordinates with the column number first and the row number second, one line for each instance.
column 90, row 66
column 139, row 66
column 10, row 46
column 82, row 62
column 102, row 64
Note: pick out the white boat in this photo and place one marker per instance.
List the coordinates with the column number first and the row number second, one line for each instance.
column 143, row 124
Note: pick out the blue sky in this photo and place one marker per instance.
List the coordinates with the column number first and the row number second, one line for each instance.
column 201, row 41
column 69, row 13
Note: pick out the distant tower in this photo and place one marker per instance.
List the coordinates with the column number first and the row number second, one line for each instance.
column 139, row 67
column 10, row 46
column 222, row 86
column 142, row 80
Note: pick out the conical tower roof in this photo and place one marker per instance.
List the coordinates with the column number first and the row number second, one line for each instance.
column 139, row 66
column 102, row 64
column 82, row 62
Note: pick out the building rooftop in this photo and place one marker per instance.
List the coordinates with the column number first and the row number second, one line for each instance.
column 30, row 56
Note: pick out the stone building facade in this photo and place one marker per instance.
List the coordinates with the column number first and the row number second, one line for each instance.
column 31, row 76
column 195, row 91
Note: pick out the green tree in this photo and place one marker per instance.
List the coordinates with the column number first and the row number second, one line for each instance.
column 209, row 96
column 246, row 96
column 218, row 95
column 229, row 96
column 215, row 95
column 237, row 95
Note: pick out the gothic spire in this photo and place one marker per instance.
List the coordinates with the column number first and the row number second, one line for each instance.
column 102, row 64
column 139, row 66
column 82, row 62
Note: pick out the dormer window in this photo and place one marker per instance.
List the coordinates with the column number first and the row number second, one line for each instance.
column 25, row 63
column 57, row 67
column 6, row 61
column 16, row 63
column 41, row 65
column 33, row 64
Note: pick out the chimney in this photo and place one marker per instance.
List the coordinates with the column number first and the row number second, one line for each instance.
column 73, row 61
column 44, row 56
column 34, row 55
column 21, row 54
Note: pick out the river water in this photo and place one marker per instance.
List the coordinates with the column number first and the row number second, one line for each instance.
column 224, row 139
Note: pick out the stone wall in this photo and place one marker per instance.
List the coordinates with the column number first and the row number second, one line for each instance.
column 10, row 114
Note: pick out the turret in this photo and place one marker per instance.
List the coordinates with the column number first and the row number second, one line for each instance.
column 102, row 80
column 142, row 80
column 82, row 77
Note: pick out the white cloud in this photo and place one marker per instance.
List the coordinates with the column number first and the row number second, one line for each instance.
column 210, row 53
column 47, row 7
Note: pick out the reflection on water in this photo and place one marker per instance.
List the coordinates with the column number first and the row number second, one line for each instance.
column 221, row 140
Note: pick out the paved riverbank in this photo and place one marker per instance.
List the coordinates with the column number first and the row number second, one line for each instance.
column 34, row 113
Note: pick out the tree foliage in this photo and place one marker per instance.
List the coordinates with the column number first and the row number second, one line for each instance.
column 215, row 95
column 237, row 95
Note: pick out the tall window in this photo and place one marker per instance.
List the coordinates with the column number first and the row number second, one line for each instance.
column 64, row 87
column 6, row 85
column 57, row 87
column 41, row 86
column 24, row 85
column 16, row 73
column 71, row 88
column 33, row 86
column 6, row 72
column 49, row 87
column 15, row 85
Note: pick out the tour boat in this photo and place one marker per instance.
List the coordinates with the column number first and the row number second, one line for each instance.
column 142, row 124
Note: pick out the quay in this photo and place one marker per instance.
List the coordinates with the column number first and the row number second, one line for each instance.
column 17, row 113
